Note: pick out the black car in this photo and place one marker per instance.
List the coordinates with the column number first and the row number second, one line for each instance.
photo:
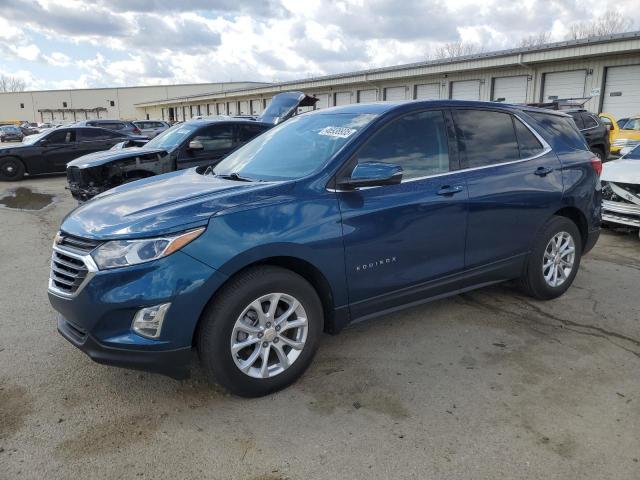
column 51, row 150
column 594, row 131
column 189, row 144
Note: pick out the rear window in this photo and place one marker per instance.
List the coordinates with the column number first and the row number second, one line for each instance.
column 485, row 137
column 578, row 119
column 561, row 126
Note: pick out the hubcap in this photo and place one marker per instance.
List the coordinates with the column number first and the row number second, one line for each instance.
column 269, row 335
column 559, row 258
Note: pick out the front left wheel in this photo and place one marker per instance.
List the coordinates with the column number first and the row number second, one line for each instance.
column 11, row 169
column 261, row 331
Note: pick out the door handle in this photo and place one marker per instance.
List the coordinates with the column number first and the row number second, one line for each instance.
column 543, row 171
column 450, row 190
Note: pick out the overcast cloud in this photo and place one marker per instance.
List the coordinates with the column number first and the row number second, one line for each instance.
column 85, row 43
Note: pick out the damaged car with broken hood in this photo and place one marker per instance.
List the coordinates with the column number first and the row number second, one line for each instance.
column 201, row 142
column 621, row 191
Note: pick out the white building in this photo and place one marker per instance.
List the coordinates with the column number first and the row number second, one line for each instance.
column 81, row 104
column 606, row 69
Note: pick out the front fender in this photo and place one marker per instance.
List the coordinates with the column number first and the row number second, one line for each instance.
column 309, row 230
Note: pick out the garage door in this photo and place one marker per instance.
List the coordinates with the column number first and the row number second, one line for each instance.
column 560, row 85
column 465, row 90
column 365, row 96
column 221, row 108
column 256, row 106
column 244, row 107
column 510, row 89
column 232, row 108
column 428, row 91
column 343, row 98
column 395, row 94
column 622, row 91
column 323, row 100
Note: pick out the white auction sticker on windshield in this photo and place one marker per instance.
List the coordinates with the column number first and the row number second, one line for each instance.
column 340, row 132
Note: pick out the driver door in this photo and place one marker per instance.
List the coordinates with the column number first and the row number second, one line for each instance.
column 216, row 140
column 399, row 239
column 60, row 148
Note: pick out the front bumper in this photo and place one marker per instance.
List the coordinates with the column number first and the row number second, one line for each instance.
column 173, row 363
column 97, row 317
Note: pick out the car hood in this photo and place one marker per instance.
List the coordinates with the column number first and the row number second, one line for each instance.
column 621, row 171
column 629, row 134
column 8, row 148
column 163, row 204
column 107, row 156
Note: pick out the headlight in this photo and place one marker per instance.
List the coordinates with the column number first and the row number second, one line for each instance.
column 122, row 253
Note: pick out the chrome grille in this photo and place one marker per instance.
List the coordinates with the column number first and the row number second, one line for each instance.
column 71, row 264
column 67, row 272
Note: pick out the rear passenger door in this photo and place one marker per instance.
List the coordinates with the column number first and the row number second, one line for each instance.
column 514, row 181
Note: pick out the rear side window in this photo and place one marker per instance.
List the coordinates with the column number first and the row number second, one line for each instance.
column 91, row 134
column 528, row 144
column 417, row 142
column 485, row 137
column 561, row 126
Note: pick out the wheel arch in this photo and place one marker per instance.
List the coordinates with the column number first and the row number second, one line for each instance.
column 576, row 216
column 302, row 267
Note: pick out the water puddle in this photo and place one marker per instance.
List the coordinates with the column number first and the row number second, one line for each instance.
column 25, row 199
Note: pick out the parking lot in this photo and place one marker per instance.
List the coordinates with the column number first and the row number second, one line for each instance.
column 484, row 385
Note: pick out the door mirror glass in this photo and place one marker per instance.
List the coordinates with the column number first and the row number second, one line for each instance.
column 372, row 174
column 196, row 145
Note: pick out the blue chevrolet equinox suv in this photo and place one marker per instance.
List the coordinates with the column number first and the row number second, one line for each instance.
column 335, row 216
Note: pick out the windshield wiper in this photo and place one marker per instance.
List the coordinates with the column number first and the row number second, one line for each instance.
column 234, row 176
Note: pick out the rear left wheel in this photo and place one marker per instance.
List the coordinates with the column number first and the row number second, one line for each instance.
column 554, row 260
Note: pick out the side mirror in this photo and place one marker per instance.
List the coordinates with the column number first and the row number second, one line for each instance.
column 44, row 142
column 195, row 145
column 372, row 174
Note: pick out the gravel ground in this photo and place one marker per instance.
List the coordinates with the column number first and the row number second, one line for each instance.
column 485, row 385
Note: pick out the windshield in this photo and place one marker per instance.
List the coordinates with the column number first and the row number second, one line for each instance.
column 294, row 149
column 31, row 139
column 172, row 137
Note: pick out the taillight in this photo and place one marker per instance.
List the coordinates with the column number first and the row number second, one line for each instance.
column 137, row 131
column 596, row 164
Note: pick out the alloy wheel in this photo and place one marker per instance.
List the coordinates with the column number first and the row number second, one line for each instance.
column 269, row 335
column 559, row 259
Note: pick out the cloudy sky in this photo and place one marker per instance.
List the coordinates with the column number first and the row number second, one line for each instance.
column 87, row 43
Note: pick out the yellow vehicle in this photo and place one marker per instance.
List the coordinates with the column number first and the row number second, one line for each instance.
column 622, row 133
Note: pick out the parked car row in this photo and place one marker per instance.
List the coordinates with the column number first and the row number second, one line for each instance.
column 331, row 217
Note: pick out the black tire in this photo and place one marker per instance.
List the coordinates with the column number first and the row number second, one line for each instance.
column 11, row 169
column 533, row 281
column 217, row 323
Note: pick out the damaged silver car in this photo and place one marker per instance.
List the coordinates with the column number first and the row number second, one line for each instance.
column 621, row 190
